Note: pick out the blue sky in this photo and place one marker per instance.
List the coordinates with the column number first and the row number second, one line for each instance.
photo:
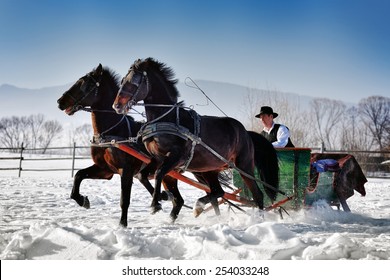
column 322, row 48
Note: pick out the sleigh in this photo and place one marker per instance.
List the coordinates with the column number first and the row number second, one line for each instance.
column 301, row 182
column 302, row 179
column 302, row 185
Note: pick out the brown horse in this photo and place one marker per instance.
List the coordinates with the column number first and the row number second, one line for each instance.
column 95, row 92
column 204, row 145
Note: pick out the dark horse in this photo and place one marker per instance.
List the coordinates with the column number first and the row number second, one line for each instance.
column 96, row 91
column 204, row 145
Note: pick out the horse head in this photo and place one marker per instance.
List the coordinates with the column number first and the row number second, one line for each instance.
column 83, row 93
column 134, row 87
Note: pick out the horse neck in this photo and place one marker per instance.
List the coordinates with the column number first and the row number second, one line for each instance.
column 135, row 127
column 160, row 102
column 104, row 116
column 153, row 113
column 177, row 115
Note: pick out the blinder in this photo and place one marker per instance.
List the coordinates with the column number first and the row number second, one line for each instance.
column 137, row 79
column 87, row 87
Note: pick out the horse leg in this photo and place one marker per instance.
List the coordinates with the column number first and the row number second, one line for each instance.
column 247, row 167
column 92, row 172
column 168, row 164
column 216, row 191
column 143, row 177
column 126, row 184
column 201, row 202
column 178, row 201
column 256, row 192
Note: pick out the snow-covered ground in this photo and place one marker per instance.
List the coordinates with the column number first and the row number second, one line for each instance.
column 38, row 221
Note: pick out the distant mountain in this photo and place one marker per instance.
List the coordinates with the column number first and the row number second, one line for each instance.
column 24, row 102
column 228, row 97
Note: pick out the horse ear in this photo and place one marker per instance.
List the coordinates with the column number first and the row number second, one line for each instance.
column 99, row 69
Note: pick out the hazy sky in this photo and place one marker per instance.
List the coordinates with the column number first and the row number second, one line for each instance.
column 337, row 49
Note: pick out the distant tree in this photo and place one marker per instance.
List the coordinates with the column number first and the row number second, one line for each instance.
column 250, row 105
column 32, row 131
column 13, row 132
column 82, row 135
column 327, row 114
column 50, row 131
column 35, row 124
column 375, row 113
column 354, row 134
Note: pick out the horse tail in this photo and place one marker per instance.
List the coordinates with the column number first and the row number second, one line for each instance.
column 266, row 162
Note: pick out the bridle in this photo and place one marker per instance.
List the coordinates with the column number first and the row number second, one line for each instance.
column 91, row 86
column 137, row 80
column 86, row 90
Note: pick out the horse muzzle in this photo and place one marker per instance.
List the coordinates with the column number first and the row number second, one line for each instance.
column 120, row 109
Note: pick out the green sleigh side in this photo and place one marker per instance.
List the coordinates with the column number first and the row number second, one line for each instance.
column 295, row 180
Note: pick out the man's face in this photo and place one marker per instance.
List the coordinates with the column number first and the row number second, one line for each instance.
column 266, row 120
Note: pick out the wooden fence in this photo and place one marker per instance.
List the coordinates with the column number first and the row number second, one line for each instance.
column 373, row 163
column 20, row 158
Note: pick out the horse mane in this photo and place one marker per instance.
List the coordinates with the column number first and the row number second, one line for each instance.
column 111, row 75
column 151, row 64
column 114, row 78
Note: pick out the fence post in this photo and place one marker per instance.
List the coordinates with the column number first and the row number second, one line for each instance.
column 20, row 160
column 73, row 157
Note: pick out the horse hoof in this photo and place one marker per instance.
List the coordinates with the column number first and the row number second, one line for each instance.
column 198, row 211
column 156, row 208
column 198, row 208
column 86, row 203
column 173, row 217
column 166, row 196
column 217, row 211
column 123, row 224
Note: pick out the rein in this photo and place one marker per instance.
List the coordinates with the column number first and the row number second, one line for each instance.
column 97, row 138
column 207, row 97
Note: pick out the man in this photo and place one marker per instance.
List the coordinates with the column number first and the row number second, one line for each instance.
column 277, row 134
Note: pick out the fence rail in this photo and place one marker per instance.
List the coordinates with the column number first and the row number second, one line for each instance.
column 21, row 158
column 370, row 161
